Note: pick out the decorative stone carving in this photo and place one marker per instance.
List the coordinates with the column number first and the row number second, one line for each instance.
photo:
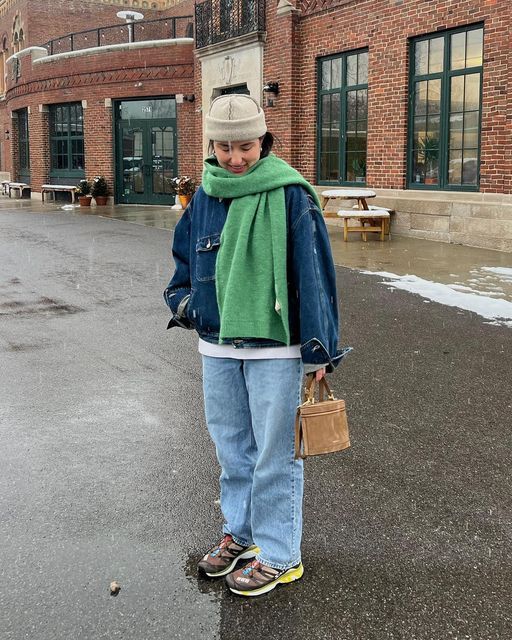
column 308, row 7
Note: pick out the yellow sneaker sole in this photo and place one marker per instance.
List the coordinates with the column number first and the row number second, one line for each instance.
column 289, row 576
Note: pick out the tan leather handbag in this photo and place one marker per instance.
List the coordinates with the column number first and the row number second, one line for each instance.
column 320, row 427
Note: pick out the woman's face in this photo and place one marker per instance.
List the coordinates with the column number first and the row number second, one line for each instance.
column 237, row 157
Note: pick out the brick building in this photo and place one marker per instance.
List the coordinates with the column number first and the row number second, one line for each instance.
column 81, row 101
column 408, row 97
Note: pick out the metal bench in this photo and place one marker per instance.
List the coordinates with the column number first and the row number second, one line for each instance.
column 53, row 188
column 370, row 221
column 5, row 187
column 21, row 189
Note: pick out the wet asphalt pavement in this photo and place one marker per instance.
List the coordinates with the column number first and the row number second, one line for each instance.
column 107, row 472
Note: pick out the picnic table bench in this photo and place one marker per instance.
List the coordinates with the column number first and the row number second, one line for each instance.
column 54, row 188
column 5, row 187
column 369, row 221
column 20, row 188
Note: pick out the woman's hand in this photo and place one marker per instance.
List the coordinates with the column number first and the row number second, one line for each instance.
column 319, row 374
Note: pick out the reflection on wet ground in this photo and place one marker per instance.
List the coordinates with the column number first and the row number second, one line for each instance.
column 461, row 274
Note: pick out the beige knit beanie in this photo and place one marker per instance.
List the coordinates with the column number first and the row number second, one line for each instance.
column 235, row 117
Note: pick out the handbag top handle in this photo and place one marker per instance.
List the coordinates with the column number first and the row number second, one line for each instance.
column 322, row 386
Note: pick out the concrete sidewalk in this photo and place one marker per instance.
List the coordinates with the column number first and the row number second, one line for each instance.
column 107, row 471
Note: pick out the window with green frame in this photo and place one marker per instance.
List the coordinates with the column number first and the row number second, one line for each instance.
column 67, row 157
column 23, row 145
column 342, row 118
column 445, row 113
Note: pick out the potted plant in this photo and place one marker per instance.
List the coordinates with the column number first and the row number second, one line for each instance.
column 185, row 188
column 99, row 190
column 359, row 168
column 83, row 190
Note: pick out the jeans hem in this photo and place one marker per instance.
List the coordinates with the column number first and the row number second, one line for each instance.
column 277, row 565
column 241, row 541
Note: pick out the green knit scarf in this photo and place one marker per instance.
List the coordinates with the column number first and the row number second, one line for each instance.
column 250, row 271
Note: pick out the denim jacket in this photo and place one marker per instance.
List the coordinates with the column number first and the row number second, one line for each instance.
column 312, row 308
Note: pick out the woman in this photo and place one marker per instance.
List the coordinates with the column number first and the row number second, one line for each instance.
column 255, row 278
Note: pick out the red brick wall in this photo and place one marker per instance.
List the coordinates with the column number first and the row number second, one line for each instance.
column 384, row 27
column 280, row 64
column 5, row 145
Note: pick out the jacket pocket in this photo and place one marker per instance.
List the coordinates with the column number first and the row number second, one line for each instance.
column 206, row 256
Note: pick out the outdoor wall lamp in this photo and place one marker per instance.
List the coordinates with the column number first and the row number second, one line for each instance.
column 7, row 134
column 271, row 89
column 190, row 98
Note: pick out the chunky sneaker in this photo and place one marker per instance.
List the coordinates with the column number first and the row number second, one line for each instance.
column 255, row 578
column 223, row 557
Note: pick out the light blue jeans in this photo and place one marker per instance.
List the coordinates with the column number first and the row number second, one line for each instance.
column 250, row 411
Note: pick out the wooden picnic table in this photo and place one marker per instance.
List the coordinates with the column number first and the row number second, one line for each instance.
column 361, row 195
column 377, row 220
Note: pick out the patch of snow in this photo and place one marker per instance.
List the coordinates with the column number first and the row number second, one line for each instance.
column 499, row 311
column 504, row 272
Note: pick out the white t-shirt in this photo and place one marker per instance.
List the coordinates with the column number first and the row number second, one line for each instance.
column 248, row 353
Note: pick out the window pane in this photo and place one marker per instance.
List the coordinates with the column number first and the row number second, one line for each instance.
column 471, row 122
column 472, row 94
column 421, row 58
column 420, row 129
column 435, row 56
column 352, row 105
column 418, row 167
column 351, row 70
column 333, row 167
column 469, row 167
column 335, row 123
column 471, row 139
column 457, row 94
column 433, row 126
column 456, row 122
column 455, row 167
column 362, row 104
column 434, row 96
column 420, row 106
column 326, row 109
column 79, row 119
column 326, row 121
column 458, row 57
column 429, row 146
column 335, row 109
column 474, row 53
column 362, row 73
column 326, row 74
column 336, row 73
column 77, row 160
column 351, row 136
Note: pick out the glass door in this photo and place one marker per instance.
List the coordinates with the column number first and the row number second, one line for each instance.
column 146, row 159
